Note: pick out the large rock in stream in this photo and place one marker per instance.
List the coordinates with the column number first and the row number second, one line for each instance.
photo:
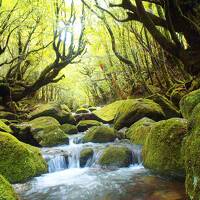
column 60, row 112
column 132, row 110
column 116, row 156
column 162, row 149
column 100, row 134
column 46, row 131
column 6, row 190
column 19, row 161
column 86, row 124
column 85, row 155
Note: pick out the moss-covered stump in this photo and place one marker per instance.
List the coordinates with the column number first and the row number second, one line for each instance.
column 8, row 115
column 82, row 110
column 107, row 113
column 162, row 149
column 188, row 102
column 19, row 161
column 115, row 156
column 6, row 190
column 69, row 129
column 86, row 124
column 139, row 131
column 59, row 112
column 100, row 134
column 132, row 110
column 46, row 131
column 167, row 106
column 4, row 127
column 85, row 155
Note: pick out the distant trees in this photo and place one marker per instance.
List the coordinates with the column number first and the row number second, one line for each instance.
column 32, row 39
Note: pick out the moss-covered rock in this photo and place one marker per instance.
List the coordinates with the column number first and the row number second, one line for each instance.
column 6, row 190
column 191, row 152
column 177, row 94
column 4, row 127
column 46, row 131
column 115, row 156
column 8, row 115
column 86, row 124
column 92, row 108
column 82, row 110
column 85, row 155
column 69, row 129
column 19, row 161
column 60, row 112
column 167, row 106
column 162, row 149
column 107, row 113
column 132, row 110
column 188, row 102
column 100, row 134
column 139, row 131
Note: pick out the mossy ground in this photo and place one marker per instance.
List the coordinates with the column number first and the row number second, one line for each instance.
column 162, row 149
column 6, row 190
column 19, row 161
column 116, row 156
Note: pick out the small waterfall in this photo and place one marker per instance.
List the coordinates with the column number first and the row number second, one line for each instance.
column 57, row 163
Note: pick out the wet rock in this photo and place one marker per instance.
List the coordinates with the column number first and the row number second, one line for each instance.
column 86, row 124
column 19, row 161
column 132, row 110
column 114, row 156
column 6, row 190
column 85, row 155
column 59, row 112
column 69, row 129
column 188, row 103
column 162, row 149
column 100, row 134
column 139, row 131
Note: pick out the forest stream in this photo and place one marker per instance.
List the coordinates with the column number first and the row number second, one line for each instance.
column 66, row 180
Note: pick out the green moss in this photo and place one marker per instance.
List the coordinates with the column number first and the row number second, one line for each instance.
column 82, row 110
column 177, row 94
column 59, row 112
column 107, row 113
column 133, row 110
column 188, row 102
column 139, row 131
column 46, row 131
column 162, row 149
column 8, row 115
column 100, row 134
column 167, row 106
column 69, row 129
column 92, row 108
column 85, row 155
column 19, row 161
column 6, row 190
column 116, row 156
column 4, row 127
column 85, row 124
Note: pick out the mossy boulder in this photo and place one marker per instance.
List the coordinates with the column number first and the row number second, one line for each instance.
column 86, row 124
column 6, row 190
column 59, row 112
column 188, row 102
column 132, row 110
column 177, row 94
column 92, row 108
column 139, row 131
column 82, row 110
column 69, row 129
column 167, row 106
column 46, row 131
column 191, row 152
column 19, row 161
column 162, row 149
column 107, row 113
column 116, row 156
column 4, row 127
column 8, row 115
column 100, row 134
column 85, row 155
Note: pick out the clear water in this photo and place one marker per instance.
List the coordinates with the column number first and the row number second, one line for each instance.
column 67, row 181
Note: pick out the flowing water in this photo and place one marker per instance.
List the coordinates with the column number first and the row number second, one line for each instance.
column 67, row 181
